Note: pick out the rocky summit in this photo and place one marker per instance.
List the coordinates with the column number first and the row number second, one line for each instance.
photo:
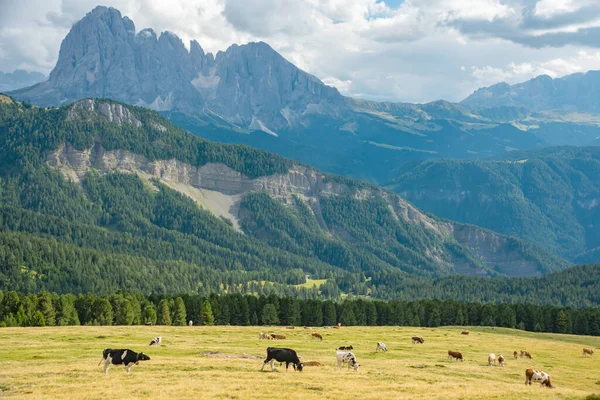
column 103, row 56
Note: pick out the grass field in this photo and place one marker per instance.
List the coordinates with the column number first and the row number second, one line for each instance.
column 62, row 363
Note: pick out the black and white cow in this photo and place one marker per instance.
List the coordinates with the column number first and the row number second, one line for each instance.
column 121, row 356
column 346, row 357
column 156, row 341
column 282, row 355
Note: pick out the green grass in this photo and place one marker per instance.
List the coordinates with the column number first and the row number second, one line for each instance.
column 312, row 282
column 63, row 363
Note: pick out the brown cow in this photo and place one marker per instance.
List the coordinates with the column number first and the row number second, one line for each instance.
column 289, row 327
column 418, row 339
column 455, row 355
column 537, row 376
column 313, row 364
column 515, row 354
column 336, row 327
column 316, row 335
column 588, row 351
column 277, row 336
column 464, row 333
column 500, row 360
column 526, row 354
column 307, row 327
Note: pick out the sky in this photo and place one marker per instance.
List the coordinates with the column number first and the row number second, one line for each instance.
column 395, row 50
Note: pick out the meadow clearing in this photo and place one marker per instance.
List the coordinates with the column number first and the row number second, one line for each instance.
column 62, row 363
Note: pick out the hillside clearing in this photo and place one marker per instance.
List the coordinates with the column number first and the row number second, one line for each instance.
column 62, row 362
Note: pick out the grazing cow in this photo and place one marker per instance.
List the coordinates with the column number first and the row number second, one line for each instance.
column 345, row 348
column 380, row 346
column 148, row 323
column 418, row 339
column 336, row 327
column 276, row 336
column 313, row 364
column 464, row 333
column 526, row 354
column 264, row 336
column 121, row 356
column 348, row 357
column 516, row 355
column 588, row 351
column 156, row 341
column 316, row 335
column 492, row 359
column 455, row 355
column 289, row 327
column 282, row 355
column 501, row 360
column 537, row 376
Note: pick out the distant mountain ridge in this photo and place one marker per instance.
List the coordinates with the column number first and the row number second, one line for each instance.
column 19, row 79
column 578, row 92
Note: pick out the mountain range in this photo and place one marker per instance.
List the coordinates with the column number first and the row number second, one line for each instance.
column 249, row 94
column 99, row 188
column 19, row 79
column 118, row 181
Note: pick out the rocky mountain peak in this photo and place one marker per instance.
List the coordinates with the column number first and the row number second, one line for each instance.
column 251, row 86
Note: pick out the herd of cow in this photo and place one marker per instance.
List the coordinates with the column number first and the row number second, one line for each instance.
column 129, row 358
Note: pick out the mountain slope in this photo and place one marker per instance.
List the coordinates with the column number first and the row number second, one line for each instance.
column 549, row 197
column 135, row 184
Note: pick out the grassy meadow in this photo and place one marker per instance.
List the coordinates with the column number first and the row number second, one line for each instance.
column 62, row 363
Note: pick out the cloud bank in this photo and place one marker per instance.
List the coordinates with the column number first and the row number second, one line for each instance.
column 411, row 50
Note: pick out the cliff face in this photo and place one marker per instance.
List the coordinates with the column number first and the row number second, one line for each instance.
column 249, row 86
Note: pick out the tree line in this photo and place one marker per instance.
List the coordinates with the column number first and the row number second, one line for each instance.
column 52, row 309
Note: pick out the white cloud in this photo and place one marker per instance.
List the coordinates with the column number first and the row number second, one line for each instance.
column 419, row 50
column 557, row 67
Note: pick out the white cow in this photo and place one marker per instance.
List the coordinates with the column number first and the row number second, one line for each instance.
column 492, row 359
column 346, row 357
column 537, row 376
column 380, row 346
column 156, row 341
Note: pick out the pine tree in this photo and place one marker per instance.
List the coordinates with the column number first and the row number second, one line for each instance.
column 269, row 315
column 347, row 316
column 47, row 308
column 102, row 312
column 179, row 315
column 561, row 322
column 38, row 319
column 207, row 314
column 581, row 324
column 149, row 313
column 435, row 317
column 329, row 313
column 164, row 314
column 460, row 318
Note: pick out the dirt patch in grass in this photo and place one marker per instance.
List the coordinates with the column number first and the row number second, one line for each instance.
column 229, row 355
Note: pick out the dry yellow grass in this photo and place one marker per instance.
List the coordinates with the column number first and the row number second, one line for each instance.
column 62, row 363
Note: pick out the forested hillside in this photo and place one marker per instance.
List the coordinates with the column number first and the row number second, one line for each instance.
column 550, row 197
column 121, row 221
